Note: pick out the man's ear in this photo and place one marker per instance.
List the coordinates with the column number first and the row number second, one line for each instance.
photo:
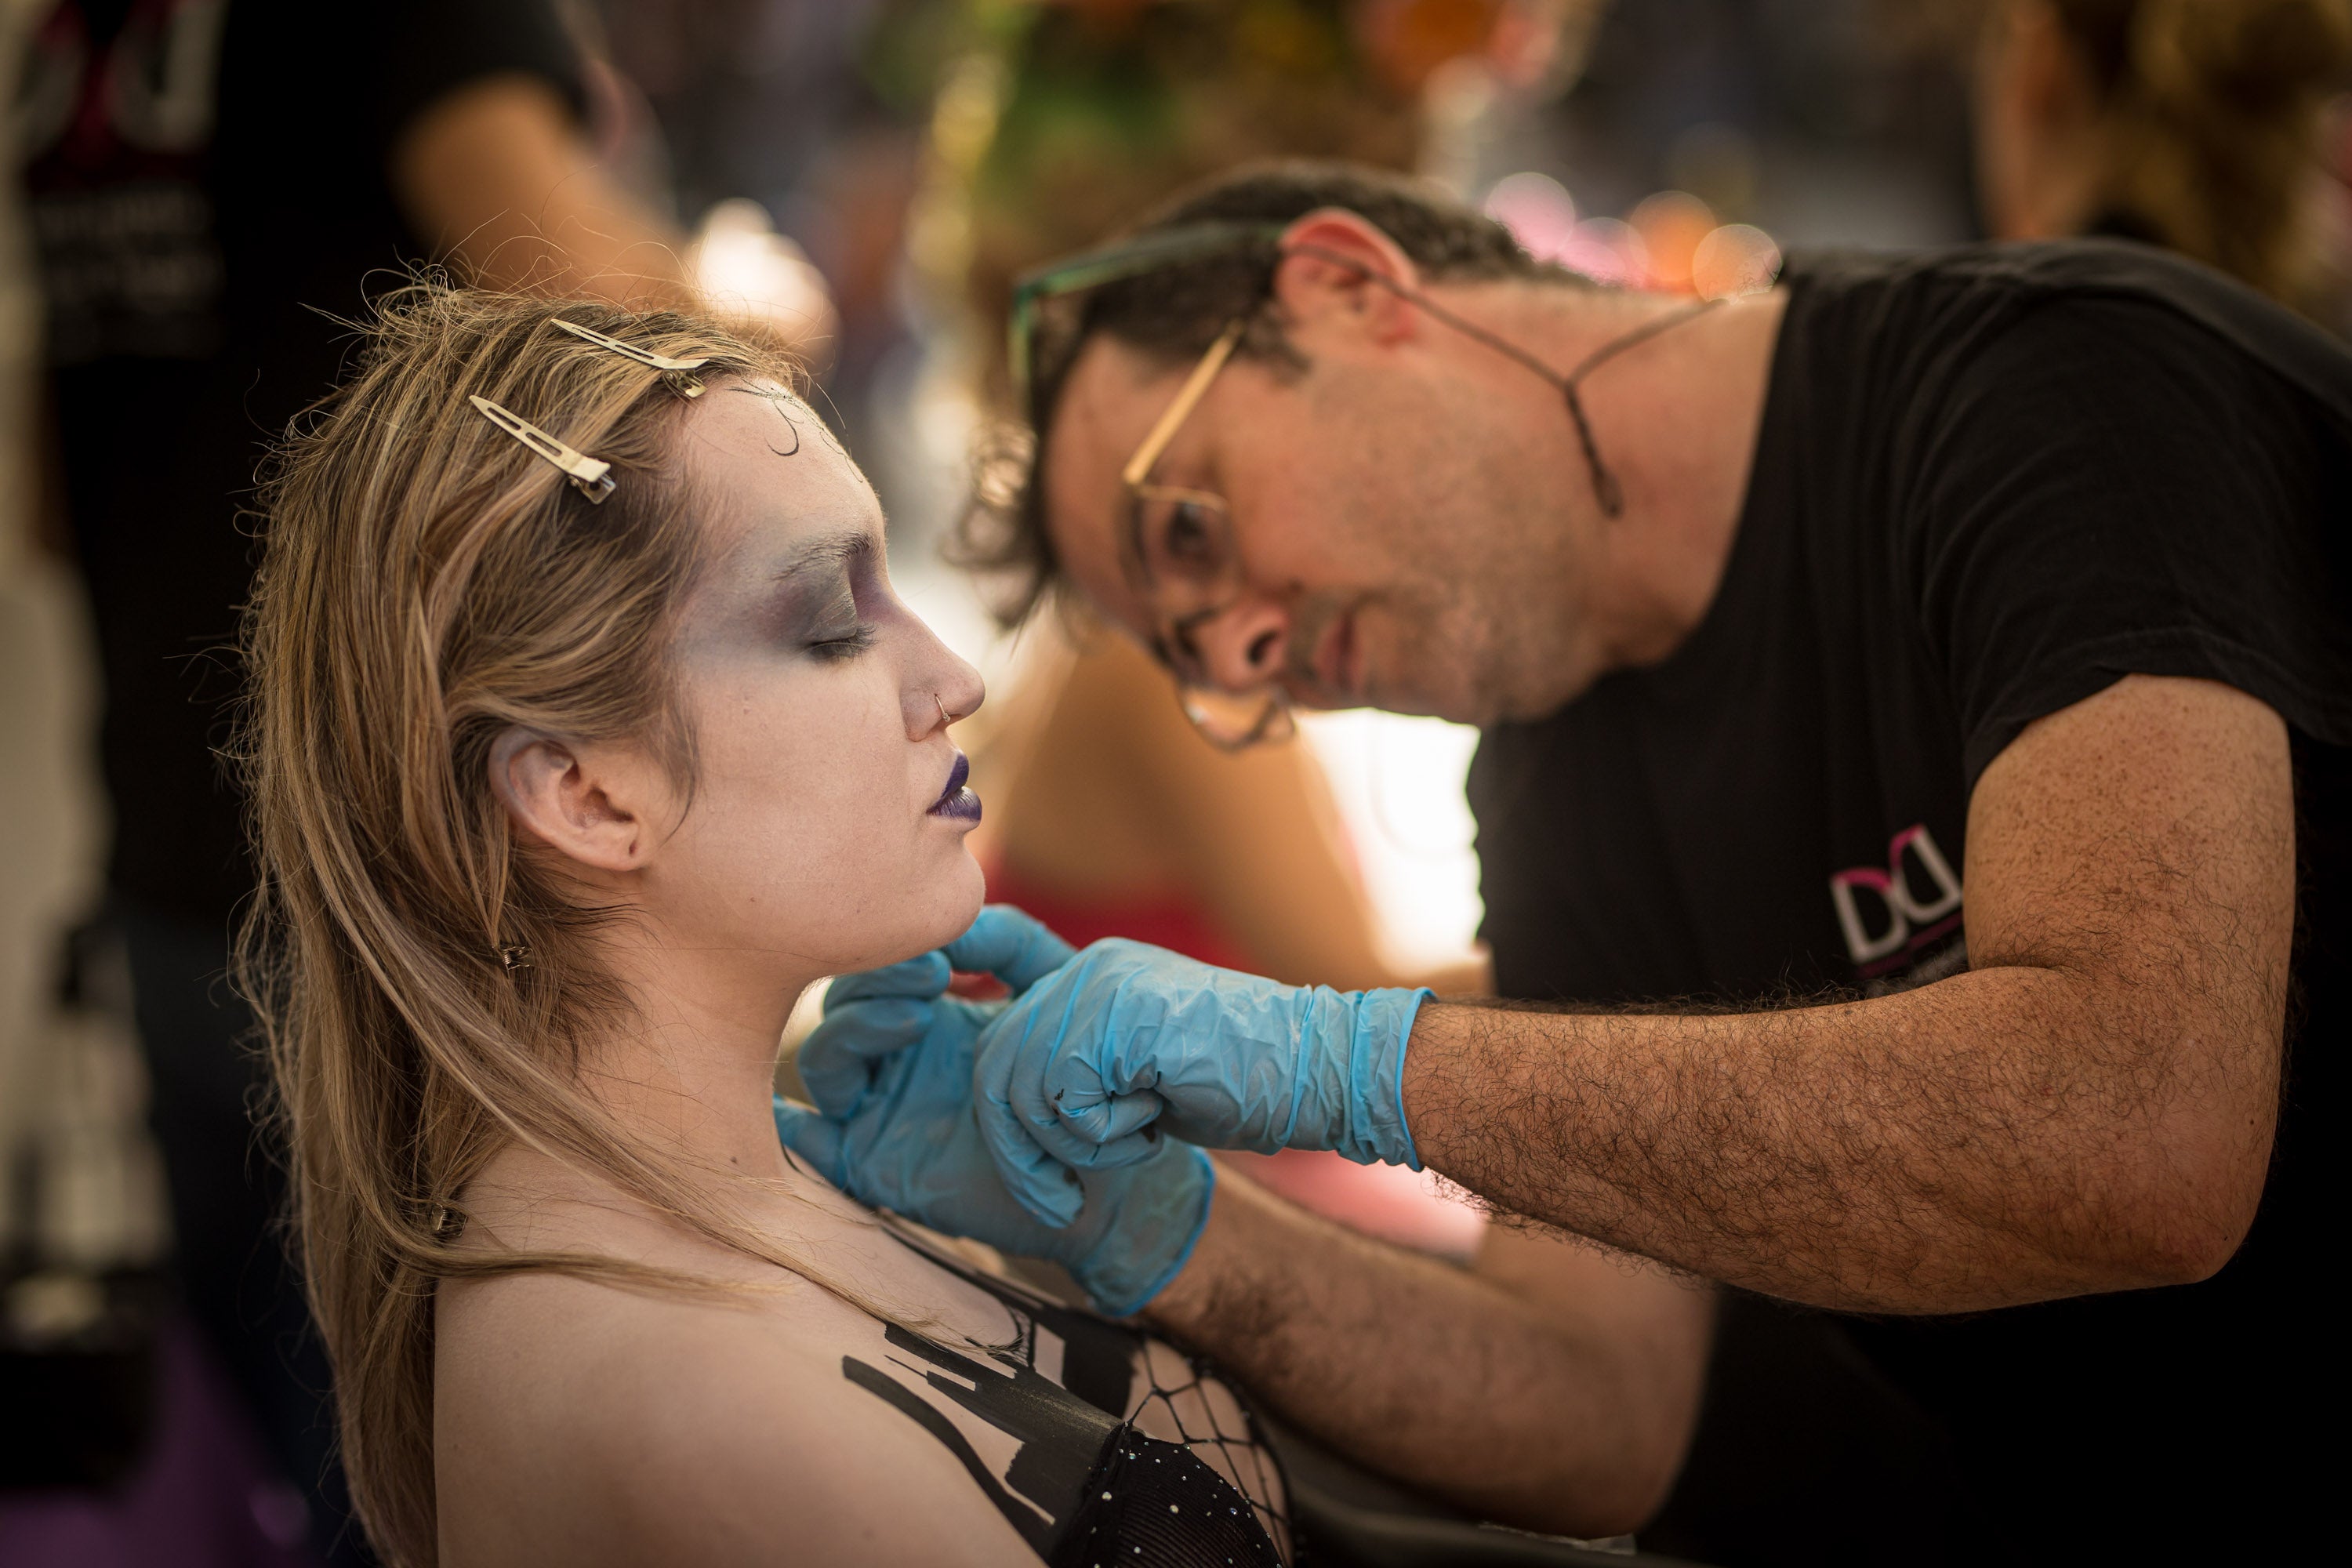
column 551, row 794
column 1338, row 261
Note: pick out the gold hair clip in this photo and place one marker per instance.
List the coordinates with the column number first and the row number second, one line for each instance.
column 677, row 372
column 592, row 477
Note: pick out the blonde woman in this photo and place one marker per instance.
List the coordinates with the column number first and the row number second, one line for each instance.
column 586, row 733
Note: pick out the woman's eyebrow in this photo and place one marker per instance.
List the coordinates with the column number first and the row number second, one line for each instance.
column 827, row 555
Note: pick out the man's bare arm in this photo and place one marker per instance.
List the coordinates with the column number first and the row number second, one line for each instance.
column 497, row 175
column 1554, row 1388
column 2090, row 1107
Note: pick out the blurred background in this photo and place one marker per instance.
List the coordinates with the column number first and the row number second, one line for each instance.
column 876, row 171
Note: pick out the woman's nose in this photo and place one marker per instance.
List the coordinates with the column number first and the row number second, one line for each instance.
column 945, row 690
column 1244, row 648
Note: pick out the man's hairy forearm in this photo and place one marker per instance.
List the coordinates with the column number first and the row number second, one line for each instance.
column 1539, row 1414
column 2090, row 1107
column 2008, row 1135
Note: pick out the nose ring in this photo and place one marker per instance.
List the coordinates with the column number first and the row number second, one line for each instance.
column 944, row 720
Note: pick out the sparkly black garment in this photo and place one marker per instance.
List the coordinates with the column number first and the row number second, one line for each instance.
column 1125, row 1450
column 1156, row 1504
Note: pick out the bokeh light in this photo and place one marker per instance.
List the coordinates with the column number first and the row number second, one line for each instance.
column 1737, row 259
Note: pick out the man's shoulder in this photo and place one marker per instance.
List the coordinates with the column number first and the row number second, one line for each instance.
column 1931, row 314
column 1991, row 273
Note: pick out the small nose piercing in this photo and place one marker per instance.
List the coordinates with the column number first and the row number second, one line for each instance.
column 944, row 720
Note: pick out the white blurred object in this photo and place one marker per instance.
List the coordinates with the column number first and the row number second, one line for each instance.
column 807, row 1013
column 54, row 829
column 99, row 1191
column 743, row 267
column 1398, row 784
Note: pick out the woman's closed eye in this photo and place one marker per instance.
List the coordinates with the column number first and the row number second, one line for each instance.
column 834, row 601
column 847, row 646
column 839, row 629
column 842, row 636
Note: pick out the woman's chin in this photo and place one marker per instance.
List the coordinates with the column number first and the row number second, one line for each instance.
column 949, row 906
column 970, row 893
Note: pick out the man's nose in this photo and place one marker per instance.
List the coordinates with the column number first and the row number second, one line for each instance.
column 1244, row 648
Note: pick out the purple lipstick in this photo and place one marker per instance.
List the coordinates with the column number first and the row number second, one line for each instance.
column 956, row 801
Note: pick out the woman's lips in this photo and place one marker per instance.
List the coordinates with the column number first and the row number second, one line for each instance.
column 956, row 801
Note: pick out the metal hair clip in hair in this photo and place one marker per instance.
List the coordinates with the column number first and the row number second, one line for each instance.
column 674, row 370
column 593, row 476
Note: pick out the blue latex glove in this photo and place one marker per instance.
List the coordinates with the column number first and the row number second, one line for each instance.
column 890, row 1068
column 1125, row 1037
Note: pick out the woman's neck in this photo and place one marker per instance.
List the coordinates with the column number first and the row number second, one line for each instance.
column 695, row 1066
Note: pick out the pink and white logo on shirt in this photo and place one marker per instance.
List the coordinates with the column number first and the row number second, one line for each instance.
column 1884, row 915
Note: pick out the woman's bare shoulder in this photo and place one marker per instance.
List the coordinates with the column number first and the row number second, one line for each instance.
column 582, row 1423
column 588, row 1421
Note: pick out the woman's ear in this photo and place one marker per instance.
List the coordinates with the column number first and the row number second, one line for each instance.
column 552, row 792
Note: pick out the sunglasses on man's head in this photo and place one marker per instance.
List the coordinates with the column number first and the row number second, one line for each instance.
column 1112, row 263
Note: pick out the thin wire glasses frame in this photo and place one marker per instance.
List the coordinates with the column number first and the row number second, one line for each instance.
column 1229, row 721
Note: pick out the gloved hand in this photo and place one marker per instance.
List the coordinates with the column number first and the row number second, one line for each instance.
column 1125, row 1037
column 890, row 1068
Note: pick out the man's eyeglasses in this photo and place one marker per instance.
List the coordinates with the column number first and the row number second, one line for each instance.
column 1178, row 547
column 1178, row 553
column 1176, row 544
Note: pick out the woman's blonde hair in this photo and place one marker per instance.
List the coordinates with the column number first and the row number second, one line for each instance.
column 425, row 990
column 2213, row 115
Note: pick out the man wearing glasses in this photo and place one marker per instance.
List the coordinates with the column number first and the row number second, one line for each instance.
column 1915, row 799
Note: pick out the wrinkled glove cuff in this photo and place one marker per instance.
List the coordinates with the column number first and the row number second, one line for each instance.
column 1382, row 1029
column 1151, row 1234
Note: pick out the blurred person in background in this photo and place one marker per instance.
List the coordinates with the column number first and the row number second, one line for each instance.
column 1833, row 122
column 811, row 112
column 2197, row 125
column 209, row 185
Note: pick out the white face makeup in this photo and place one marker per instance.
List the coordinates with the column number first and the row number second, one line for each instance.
column 824, row 828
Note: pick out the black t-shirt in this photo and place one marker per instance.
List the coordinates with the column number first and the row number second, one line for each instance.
column 206, row 185
column 1989, row 484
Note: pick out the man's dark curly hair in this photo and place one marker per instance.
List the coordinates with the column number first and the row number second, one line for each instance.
column 1173, row 314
